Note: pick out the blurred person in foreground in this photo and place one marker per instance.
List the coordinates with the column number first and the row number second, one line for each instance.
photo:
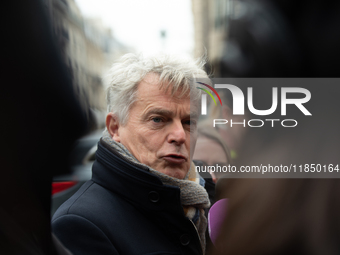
column 144, row 196
column 286, row 216
column 41, row 118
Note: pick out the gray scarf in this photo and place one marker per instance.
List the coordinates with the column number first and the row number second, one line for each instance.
column 193, row 196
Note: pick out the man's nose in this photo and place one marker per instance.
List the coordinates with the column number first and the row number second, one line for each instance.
column 177, row 133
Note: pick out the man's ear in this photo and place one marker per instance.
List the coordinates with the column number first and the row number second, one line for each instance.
column 112, row 125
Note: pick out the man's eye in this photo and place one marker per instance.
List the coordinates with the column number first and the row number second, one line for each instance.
column 156, row 119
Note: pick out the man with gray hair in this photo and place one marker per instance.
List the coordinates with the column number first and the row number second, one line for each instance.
column 145, row 196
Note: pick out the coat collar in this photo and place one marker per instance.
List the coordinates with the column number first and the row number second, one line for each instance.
column 133, row 182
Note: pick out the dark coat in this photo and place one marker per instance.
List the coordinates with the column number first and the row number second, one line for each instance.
column 124, row 209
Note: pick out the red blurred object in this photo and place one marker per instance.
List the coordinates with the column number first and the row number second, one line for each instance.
column 61, row 186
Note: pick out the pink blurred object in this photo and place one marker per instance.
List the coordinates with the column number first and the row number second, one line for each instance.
column 216, row 216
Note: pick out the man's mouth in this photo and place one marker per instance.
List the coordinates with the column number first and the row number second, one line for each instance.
column 175, row 158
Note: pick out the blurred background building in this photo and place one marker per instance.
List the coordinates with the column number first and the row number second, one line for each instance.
column 211, row 18
column 88, row 49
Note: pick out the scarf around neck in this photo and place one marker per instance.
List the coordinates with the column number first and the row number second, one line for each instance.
column 194, row 197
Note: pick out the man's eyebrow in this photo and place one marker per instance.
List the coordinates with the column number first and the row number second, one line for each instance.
column 159, row 111
column 165, row 112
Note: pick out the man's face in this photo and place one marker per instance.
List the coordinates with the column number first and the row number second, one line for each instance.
column 159, row 131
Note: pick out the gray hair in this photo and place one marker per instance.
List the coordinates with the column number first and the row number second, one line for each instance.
column 175, row 73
